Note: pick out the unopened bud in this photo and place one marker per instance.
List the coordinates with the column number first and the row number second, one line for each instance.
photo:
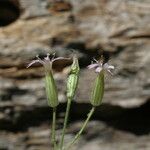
column 73, row 78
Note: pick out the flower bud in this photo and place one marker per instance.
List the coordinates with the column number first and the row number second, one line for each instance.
column 73, row 78
column 51, row 90
column 98, row 90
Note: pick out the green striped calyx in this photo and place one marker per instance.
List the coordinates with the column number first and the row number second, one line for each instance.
column 98, row 90
column 73, row 78
column 51, row 90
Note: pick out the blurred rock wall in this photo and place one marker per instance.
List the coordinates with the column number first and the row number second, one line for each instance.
column 119, row 28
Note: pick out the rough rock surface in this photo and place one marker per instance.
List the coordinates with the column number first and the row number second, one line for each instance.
column 121, row 28
column 102, row 137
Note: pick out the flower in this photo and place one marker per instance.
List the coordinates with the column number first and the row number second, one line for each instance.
column 98, row 88
column 100, row 66
column 47, row 61
column 50, row 85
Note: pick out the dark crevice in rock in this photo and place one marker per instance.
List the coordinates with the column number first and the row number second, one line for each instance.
column 126, row 73
column 9, row 11
column 88, row 54
column 118, row 50
column 140, row 36
column 16, row 91
column 85, row 61
column 7, row 95
column 134, row 120
column 26, row 78
column 147, row 86
column 122, row 32
column 80, row 46
column 22, row 119
column 94, row 52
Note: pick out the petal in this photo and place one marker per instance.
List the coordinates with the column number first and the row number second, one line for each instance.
column 60, row 58
column 107, row 66
column 95, row 60
column 93, row 66
column 98, row 69
column 111, row 67
column 33, row 62
column 109, row 72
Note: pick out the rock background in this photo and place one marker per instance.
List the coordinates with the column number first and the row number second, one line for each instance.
column 119, row 28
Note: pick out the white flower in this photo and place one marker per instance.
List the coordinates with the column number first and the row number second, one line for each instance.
column 47, row 61
column 100, row 66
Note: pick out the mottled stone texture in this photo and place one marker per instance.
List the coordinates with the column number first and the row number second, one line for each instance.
column 121, row 28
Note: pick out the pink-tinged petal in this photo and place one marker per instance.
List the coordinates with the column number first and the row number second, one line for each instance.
column 98, row 69
column 38, row 58
column 109, row 72
column 93, row 66
column 111, row 67
column 33, row 62
column 60, row 58
column 95, row 60
column 107, row 66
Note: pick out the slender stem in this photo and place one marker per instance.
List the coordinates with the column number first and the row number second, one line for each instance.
column 53, row 136
column 81, row 130
column 65, row 123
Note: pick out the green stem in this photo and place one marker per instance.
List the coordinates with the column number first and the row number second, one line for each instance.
column 81, row 130
column 65, row 123
column 53, row 136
